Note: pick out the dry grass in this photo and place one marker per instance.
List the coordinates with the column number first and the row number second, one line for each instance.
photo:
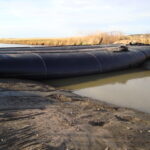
column 91, row 39
column 139, row 38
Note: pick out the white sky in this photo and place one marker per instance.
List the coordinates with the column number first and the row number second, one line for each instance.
column 62, row 18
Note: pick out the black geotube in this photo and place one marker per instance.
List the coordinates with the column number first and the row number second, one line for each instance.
column 65, row 64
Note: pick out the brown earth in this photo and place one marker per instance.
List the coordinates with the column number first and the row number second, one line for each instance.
column 35, row 116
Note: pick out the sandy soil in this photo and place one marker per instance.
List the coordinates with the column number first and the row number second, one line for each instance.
column 34, row 116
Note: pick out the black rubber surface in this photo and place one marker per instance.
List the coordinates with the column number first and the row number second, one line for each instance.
column 54, row 64
column 114, row 61
column 21, row 66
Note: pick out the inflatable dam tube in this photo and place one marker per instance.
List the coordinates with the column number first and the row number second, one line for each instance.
column 31, row 48
column 56, row 49
column 65, row 64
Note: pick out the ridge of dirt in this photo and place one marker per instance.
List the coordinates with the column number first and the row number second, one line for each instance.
column 60, row 120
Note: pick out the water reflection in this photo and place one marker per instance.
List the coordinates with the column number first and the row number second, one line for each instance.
column 125, row 88
column 81, row 82
column 13, row 45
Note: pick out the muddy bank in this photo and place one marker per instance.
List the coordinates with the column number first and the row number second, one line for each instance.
column 35, row 116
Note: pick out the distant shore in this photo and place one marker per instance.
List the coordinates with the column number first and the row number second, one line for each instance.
column 91, row 39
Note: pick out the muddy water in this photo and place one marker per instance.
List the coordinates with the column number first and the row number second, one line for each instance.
column 125, row 88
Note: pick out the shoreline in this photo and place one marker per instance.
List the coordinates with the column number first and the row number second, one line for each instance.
column 34, row 115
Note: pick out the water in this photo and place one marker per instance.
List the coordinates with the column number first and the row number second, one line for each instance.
column 124, row 88
column 14, row 45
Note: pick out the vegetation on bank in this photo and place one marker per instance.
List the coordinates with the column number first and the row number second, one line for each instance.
column 92, row 39
column 137, row 38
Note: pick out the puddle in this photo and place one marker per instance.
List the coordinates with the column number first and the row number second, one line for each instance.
column 129, row 88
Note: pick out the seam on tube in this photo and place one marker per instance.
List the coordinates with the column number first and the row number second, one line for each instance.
column 97, row 60
column 43, row 62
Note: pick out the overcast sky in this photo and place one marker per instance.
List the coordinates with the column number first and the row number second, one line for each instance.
column 63, row 18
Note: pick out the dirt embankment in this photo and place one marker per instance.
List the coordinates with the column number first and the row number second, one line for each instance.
column 34, row 116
